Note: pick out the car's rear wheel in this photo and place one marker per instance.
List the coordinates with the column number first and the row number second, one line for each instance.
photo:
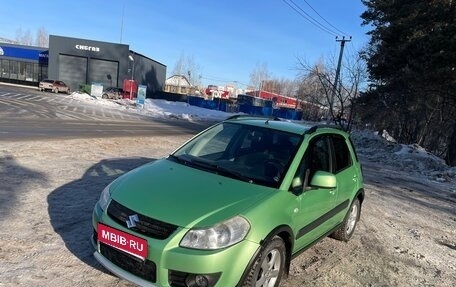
column 269, row 265
column 346, row 230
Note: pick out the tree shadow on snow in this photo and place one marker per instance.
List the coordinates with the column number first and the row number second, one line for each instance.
column 70, row 206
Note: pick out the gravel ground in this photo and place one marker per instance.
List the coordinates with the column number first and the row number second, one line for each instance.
column 406, row 236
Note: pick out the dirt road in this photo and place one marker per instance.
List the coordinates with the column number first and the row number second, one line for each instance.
column 406, row 237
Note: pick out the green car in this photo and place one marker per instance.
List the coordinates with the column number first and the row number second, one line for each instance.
column 231, row 207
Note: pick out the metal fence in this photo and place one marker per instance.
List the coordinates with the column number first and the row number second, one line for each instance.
column 227, row 106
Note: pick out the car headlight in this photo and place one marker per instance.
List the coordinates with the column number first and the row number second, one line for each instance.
column 105, row 197
column 219, row 236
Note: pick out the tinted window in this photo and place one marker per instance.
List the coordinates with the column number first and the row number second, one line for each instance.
column 342, row 154
column 316, row 157
column 260, row 155
column 320, row 155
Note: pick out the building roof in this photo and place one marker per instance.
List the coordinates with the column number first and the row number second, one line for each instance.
column 178, row 81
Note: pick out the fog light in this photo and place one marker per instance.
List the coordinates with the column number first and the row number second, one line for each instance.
column 197, row 281
column 201, row 280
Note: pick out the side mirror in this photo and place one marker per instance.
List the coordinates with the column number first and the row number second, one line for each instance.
column 323, row 179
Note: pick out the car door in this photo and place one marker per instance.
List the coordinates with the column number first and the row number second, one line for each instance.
column 346, row 175
column 313, row 218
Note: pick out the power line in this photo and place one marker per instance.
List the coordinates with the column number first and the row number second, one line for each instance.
column 309, row 18
column 308, row 4
column 219, row 80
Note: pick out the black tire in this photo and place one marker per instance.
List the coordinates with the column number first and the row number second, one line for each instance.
column 346, row 230
column 269, row 265
column 104, row 96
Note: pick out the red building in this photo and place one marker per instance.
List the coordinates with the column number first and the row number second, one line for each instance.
column 278, row 100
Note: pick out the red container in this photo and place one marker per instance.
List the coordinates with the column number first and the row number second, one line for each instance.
column 130, row 88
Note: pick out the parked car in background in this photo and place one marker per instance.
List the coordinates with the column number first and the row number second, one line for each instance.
column 54, row 86
column 112, row 93
column 231, row 207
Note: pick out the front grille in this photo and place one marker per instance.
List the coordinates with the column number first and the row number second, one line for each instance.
column 148, row 226
column 144, row 269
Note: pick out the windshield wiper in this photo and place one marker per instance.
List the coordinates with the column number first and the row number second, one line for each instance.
column 179, row 159
column 233, row 174
column 193, row 161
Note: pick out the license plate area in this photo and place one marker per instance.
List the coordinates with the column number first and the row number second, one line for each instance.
column 124, row 241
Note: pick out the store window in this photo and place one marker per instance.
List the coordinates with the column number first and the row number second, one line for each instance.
column 5, row 68
column 21, row 71
column 14, row 70
column 29, row 72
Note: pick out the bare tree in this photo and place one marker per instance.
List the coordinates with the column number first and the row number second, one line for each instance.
column 24, row 38
column 42, row 38
column 187, row 66
column 259, row 74
column 315, row 86
column 317, row 83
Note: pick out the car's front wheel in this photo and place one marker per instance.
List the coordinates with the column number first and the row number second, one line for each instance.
column 346, row 230
column 56, row 90
column 269, row 265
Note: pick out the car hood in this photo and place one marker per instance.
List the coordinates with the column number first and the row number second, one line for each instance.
column 185, row 196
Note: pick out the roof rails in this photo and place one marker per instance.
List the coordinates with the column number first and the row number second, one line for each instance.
column 316, row 127
column 239, row 116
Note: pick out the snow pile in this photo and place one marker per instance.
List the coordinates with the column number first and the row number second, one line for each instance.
column 413, row 159
column 156, row 108
column 86, row 98
column 181, row 110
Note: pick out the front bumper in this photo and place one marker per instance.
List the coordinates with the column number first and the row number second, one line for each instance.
column 171, row 260
column 120, row 272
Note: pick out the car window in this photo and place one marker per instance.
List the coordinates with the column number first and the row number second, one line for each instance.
column 341, row 153
column 260, row 154
column 317, row 157
column 320, row 155
column 215, row 142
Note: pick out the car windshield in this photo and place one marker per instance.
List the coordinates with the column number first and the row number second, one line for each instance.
column 249, row 153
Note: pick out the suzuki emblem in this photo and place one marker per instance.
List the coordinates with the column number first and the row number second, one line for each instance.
column 131, row 222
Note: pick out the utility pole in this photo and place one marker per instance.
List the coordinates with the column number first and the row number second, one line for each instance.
column 333, row 94
column 122, row 23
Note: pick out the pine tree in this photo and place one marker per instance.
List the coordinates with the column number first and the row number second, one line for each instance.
column 411, row 61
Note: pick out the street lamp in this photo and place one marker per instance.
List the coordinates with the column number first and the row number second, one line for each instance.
column 132, row 74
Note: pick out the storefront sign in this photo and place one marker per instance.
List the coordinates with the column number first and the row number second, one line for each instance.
column 88, row 48
column 141, row 95
column 96, row 90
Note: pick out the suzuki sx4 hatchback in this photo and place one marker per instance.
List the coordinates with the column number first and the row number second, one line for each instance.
column 230, row 207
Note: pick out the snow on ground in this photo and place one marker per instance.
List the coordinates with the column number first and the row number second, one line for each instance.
column 157, row 108
column 413, row 159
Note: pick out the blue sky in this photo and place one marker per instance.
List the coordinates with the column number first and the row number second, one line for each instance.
column 227, row 39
